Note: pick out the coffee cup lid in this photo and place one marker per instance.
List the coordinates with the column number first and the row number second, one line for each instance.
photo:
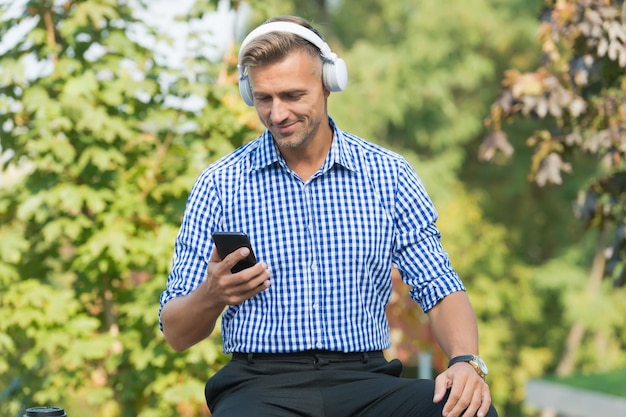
column 45, row 412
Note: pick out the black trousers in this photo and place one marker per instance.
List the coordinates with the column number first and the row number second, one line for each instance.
column 319, row 384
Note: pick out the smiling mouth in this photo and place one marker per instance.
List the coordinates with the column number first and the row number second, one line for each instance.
column 285, row 128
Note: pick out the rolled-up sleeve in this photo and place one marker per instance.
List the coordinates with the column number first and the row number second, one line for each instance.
column 193, row 245
column 419, row 255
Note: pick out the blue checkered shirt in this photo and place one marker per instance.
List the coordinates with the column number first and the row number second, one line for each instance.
column 330, row 244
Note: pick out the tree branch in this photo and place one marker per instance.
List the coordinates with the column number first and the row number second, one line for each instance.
column 51, row 37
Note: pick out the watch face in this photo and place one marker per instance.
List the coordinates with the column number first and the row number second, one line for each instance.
column 481, row 364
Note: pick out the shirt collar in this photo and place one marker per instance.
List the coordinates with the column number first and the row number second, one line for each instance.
column 340, row 153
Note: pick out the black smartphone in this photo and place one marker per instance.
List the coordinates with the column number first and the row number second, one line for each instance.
column 228, row 242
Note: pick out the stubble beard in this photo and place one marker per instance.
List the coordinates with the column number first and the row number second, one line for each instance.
column 299, row 137
column 292, row 141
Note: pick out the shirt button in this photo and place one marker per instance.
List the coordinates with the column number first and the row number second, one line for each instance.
column 315, row 306
column 319, row 345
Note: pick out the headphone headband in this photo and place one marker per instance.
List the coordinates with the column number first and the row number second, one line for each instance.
column 289, row 27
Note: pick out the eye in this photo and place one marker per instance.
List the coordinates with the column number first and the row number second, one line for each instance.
column 294, row 96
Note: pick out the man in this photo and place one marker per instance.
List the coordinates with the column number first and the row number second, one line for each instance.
column 328, row 215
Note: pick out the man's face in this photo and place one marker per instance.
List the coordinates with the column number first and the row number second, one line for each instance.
column 290, row 99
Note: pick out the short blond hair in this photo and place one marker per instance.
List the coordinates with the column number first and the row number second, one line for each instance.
column 274, row 47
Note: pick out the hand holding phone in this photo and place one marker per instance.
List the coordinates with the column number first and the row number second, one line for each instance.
column 228, row 242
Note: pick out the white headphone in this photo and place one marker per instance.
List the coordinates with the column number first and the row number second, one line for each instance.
column 334, row 71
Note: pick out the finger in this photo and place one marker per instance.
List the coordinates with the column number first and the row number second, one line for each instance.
column 249, row 282
column 442, row 383
column 214, row 256
column 256, row 290
column 475, row 402
column 238, row 293
column 456, row 403
column 235, row 256
column 252, row 277
column 486, row 402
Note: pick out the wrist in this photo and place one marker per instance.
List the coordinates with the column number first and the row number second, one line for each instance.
column 475, row 361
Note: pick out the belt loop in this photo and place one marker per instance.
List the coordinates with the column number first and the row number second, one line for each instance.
column 365, row 357
column 319, row 361
column 250, row 358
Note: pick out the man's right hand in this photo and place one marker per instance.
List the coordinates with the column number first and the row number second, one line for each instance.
column 225, row 288
column 191, row 318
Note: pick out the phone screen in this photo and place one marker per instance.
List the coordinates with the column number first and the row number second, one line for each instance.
column 228, row 242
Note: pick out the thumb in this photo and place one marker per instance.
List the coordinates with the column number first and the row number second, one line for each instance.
column 442, row 383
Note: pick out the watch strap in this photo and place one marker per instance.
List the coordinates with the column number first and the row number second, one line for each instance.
column 475, row 362
column 461, row 358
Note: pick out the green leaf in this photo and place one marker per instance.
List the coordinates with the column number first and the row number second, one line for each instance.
column 12, row 244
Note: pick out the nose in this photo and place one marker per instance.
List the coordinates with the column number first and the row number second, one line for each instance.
column 279, row 111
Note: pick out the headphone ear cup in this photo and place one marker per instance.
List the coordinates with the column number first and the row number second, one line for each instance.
column 245, row 89
column 335, row 75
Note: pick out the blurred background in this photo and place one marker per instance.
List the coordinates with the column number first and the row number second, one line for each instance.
column 512, row 112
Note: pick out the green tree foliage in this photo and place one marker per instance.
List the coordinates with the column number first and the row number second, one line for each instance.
column 97, row 125
column 419, row 69
column 579, row 92
column 581, row 88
